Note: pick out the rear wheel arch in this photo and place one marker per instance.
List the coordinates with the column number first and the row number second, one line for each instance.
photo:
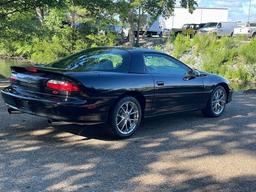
column 137, row 95
column 115, row 117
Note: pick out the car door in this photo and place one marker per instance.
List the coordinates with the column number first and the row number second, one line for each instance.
column 174, row 91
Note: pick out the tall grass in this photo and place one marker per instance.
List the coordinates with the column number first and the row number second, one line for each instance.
column 231, row 57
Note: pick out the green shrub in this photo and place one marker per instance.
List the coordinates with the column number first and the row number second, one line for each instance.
column 229, row 57
column 201, row 42
column 157, row 48
column 46, row 51
column 249, row 51
column 182, row 44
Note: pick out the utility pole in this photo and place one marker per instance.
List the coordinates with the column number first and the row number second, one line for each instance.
column 249, row 13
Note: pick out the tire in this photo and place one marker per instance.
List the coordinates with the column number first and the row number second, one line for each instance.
column 216, row 105
column 125, row 118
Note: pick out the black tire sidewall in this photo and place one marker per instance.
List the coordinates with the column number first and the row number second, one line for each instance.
column 114, row 130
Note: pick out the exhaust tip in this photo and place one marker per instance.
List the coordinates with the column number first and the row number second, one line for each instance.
column 13, row 111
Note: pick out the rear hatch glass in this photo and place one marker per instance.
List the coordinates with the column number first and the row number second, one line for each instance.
column 94, row 60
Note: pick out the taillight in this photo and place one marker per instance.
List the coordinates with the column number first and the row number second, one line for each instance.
column 12, row 78
column 57, row 85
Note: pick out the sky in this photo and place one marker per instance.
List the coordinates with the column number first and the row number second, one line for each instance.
column 238, row 9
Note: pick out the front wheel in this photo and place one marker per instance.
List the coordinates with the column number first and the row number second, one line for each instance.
column 217, row 103
column 125, row 117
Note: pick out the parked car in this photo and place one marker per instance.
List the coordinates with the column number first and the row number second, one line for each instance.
column 191, row 29
column 248, row 30
column 118, row 86
column 220, row 29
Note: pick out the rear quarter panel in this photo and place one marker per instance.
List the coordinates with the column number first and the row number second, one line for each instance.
column 105, row 88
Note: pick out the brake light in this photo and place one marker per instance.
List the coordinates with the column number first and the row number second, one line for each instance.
column 62, row 86
column 32, row 69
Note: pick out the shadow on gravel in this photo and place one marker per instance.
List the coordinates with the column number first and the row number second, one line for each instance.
column 182, row 152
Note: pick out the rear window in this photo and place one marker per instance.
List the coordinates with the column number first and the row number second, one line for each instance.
column 94, row 60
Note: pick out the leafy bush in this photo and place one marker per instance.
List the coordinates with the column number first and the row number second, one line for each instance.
column 248, row 52
column 55, row 37
column 226, row 56
column 181, row 44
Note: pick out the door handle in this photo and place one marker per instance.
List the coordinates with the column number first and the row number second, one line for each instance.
column 160, row 83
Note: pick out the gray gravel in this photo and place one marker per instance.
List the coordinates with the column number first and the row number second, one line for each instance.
column 183, row 152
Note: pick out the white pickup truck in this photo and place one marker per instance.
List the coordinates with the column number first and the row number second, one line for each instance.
column 248, row 30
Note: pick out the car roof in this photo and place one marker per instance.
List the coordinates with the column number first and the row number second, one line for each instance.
column 133, row 49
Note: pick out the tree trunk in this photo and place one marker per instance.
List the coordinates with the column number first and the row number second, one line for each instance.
column 138, row 28
column 131, row 29
column 40, row 14
column 131, row 25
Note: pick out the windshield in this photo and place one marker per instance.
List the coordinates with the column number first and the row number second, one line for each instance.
column 185, row 26
column 94, row 60
column 210, row 25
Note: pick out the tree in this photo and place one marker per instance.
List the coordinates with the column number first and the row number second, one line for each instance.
column 9, row 7
column 44, row 30
column 132, row 10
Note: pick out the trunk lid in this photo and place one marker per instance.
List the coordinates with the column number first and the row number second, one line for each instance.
column 34, row 79
column 30, row 78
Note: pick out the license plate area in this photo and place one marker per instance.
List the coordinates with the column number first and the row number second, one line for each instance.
column 23, row 104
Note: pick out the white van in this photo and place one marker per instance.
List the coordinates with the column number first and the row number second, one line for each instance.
column 219, row 28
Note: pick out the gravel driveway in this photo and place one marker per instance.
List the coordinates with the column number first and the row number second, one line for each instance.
column 183, row 152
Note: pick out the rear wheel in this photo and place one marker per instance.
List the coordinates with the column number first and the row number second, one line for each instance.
column 125, row 117
column 217, row 103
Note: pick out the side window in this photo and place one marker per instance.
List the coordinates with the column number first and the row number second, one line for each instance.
column 163, row 65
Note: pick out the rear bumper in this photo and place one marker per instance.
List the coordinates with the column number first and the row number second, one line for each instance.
column 70, row 111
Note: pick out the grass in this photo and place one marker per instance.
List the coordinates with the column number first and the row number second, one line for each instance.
column 229, row 57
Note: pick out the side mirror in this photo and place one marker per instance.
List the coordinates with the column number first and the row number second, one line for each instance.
column 196, row 73
column 192, row 74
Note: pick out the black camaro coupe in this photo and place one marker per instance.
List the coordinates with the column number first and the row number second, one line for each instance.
column 114, row 85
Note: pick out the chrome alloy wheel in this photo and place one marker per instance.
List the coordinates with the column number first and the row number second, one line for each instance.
column 127, row 117
column 218, row 101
